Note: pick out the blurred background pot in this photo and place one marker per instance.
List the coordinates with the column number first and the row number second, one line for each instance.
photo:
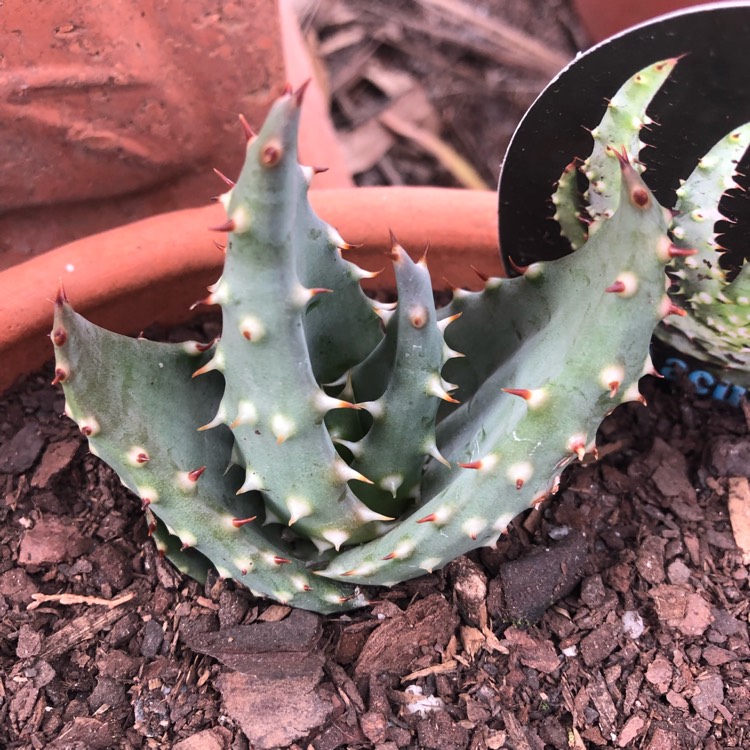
column 603, row 18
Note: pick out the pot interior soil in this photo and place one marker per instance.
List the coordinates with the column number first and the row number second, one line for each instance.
column 636, row 637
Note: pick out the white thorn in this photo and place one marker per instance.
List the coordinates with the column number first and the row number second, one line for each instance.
column 252, row 482
column 391, row 483
column 282, row 427
column 246, row 414
column 298, row 507
column 344, row 473
column 241, row 219
column 445, row 322
column 336, row 537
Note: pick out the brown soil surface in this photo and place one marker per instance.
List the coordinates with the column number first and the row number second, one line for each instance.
column 614, row 616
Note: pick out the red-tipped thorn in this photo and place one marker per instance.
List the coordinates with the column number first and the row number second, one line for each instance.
column 614, row 386
column 223, row 177
column 151, row 528
column 428, row 519
column 250, row 134
column 617, row 288
column 60, row 376
column 205, row 301
column 392, row 556
column 622, row 156
column 61, row 298
column 319, row 290
column 320, row 170
column 204, row 347
column 227, row 226
column 672, row 309
column 524, row 393
column 521, row 270
column 423, row 260
column 681, row 252
column 482, row 276
column 471, row 464
column 208, row 367
column 519, row 483
column 280, row 560
column 239, row 522
column 299, row 94
column 196, row 474
column 145, row 502
column 142, row 458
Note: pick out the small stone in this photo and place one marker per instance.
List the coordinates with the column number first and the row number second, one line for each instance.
column 600, row 643
column 153, row 635
column 217, row 738
column 663, row 739
column 535, row 653
column 470, row 589
column 52, row 540
column 108, row 692
column 679, row 607
column 677, row 700
column 730, row 456
column 374, row 726
column 273, row 712
column 659, row 674
column 714, row 655
column 708, row 695
column 20, row 453
column 56, row 458
column 678, row 572
column 29, row 642
column 630, row 730
column 650, row 560
column 632, row 624
column 17, row 586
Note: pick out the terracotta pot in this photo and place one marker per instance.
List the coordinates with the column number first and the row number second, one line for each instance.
column 101, row 127
column 602, row 18
column 151, row 270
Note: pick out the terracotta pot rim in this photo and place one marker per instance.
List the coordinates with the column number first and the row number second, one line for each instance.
column 151, row 270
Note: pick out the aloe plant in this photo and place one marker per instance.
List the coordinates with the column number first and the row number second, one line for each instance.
column 328, row 441
column 714, row 295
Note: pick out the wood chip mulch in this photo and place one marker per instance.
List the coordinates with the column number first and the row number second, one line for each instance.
column 615, row 616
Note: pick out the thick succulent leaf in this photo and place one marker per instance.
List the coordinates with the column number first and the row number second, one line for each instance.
column 273, row 402
column 334, row 348
column 602, row 304
column 716, row 329
column 140, row 408
column 393, row 452
column 568, row 204
column 620, row 128
column 697, row 212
